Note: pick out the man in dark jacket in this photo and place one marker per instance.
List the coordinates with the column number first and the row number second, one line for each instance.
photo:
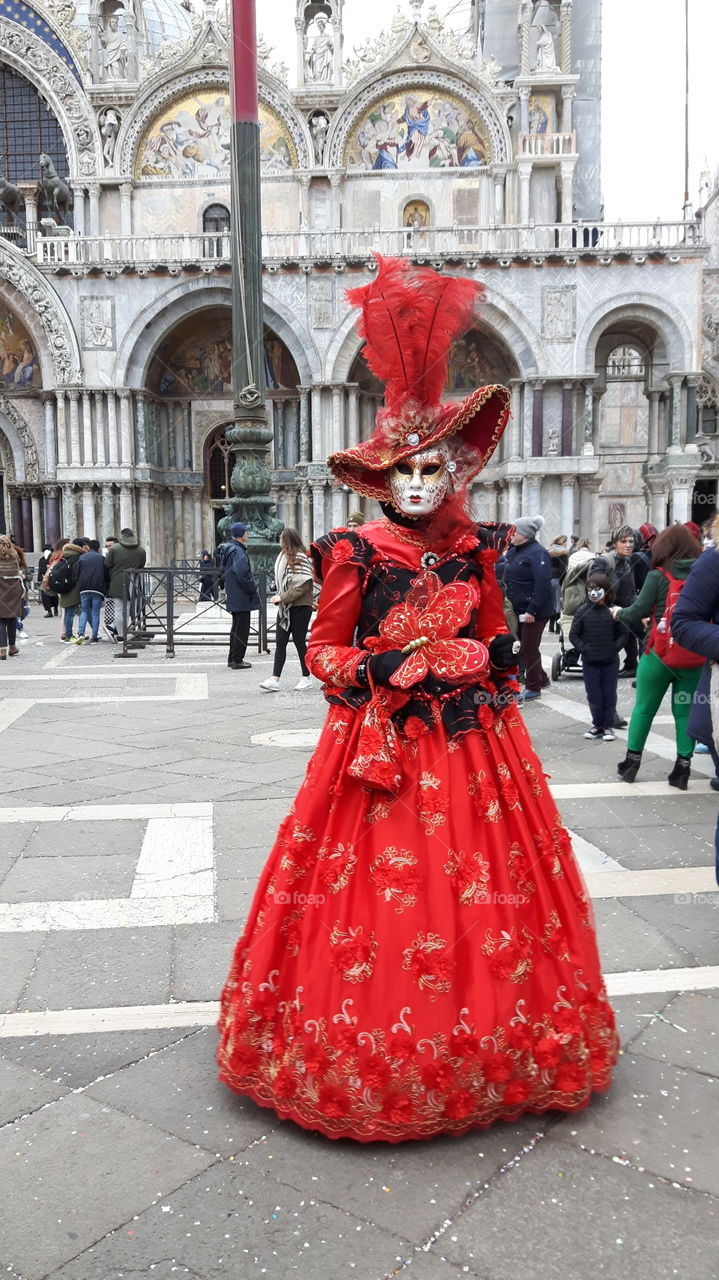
column 528, row 583
column 618, row 565
column 242, row 596
column 91, row 585
column 126, row 554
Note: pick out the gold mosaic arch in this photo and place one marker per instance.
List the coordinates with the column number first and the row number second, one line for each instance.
column 190, row 138
column 420, row 127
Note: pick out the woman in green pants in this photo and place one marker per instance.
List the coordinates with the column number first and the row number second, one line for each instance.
column 664, row 663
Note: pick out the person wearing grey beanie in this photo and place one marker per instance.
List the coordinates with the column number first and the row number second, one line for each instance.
column 528, row 583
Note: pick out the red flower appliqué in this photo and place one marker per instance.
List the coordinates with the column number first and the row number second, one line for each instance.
column 342, row 551
column 428, row 619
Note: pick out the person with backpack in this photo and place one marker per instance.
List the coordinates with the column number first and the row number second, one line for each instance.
column 11, row 595
column 597, row 635
column 618, row 565
column 665, row 663
column 574, row 590
column 91, row 579
column 62, row 582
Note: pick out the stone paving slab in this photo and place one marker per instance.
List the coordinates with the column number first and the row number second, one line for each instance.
column 177, row 1090
column 76, row 1061
column 627, row 941
column 23, row 1091
column 652, row 845
column 18, row 956
column 202, row 955
column 655, row 1118
column 80, row 1170
column 84, row 839
column 94, row 968
column 59, row 879
column 687, row 1034
column 562, row 1213
column 241, row 1225
column 689, row 921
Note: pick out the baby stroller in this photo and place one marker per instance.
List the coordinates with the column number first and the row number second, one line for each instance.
column 568, row 661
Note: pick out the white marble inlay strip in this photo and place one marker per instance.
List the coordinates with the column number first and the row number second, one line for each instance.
column 104, row 812
column 68, row 1022
column 682, row 883
column 105, row 913
column 591, row 859
column 11, row 709
column 60, row 657
column 660, row 746
column 604, row 790
column 64, row 676
column 176, row 859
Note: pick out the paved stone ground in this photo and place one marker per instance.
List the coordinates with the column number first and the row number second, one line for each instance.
column 138, row 812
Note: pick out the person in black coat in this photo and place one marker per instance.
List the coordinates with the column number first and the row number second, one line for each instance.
column 599, row 637
column 527, row 580
column 242, row 595
column 695, row 625
column 618, row 564
column 209, row 589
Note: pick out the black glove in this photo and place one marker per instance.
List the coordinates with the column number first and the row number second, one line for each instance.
column 504, row 651
column 382, row 666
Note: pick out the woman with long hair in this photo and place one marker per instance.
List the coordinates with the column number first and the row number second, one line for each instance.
column 11, row 596
column 665, row 663
column 294, row 579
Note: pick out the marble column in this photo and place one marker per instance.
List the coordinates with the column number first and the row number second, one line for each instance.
column 107, row 513
column 125, row 208
column 588, row 417
column 187, row 432
column 513, row 433
column 69, row 512
column 94, row 193
column 16, row 517
column 490, row 501
column 75, row 458
column 100, row 447
column 525, row 171
column 352, row 414
column 567, row 508
column 141, row 428
column 567, row 198
column 681, row 498
column 537, row 419
column 306, row 514
column 337, row 417
column 179, row 528
column 318, row 450
column 514, row 499
column 88, row 511
column 62, row 442
column 653, row 395
column 145, row 528
column 36, row 520
column 26, row 531
column 567, row 99
column 50, row 437
column 318, row 510
column 112, row 449
column 567, row 442
column 675, row 381
column 78, row 208
column 498, row 176
column 534, row 496
column 125, row 428
column 196, row 499
column 179, row 428
column 51, row 504
column 691, row 406
column 126, row 517
column 304, row 424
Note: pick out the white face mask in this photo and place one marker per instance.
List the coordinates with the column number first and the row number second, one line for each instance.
column 596, row 594
column 420, row 484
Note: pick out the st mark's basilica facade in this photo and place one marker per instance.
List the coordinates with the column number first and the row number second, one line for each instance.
column 475, row 154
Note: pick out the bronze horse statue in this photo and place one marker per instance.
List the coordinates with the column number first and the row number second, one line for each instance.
column 11, row 201
column 57, row 196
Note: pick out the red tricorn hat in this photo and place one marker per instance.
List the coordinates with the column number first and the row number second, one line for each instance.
column 410, row 318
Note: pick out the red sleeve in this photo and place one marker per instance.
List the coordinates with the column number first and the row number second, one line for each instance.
column 331, row 655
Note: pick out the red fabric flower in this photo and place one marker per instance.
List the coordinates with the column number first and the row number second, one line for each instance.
column 434, row 612
column 374, row 1072
column 547, row 1051
column 570, row 1078
column 414, row 728
column 517, row 1091
column 397, row 1108
column 342, row 551
column 520, row 1037
column 497, row 1067
column 598, row 1059
column 346, row 1040
column 316, row 1060
column 485, row 716
column 463, row 1045
column 265, row 1005
column 401, row 1045
column 244, row 1059
column 459, row 1105
column 334, row 1101
column 438, row 1075
column 567, row 1022
column 284, row 1084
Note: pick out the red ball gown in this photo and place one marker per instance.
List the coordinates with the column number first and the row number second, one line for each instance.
column 420, row 956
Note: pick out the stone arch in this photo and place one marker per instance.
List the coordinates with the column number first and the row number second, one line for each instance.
column 295, row 336
column 18, row 451
column 33, row 59
column 372, row 90
column 44, row 316
column 662, row 316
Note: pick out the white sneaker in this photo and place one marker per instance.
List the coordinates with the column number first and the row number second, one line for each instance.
column 271, row 684
column 609, row 735
column 304, row 683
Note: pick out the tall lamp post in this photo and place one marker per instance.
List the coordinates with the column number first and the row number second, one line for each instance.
column 248, row 432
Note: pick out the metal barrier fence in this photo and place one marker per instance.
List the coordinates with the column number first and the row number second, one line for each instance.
column 151, row 613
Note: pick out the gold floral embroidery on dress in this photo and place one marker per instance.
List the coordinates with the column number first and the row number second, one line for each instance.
column 520, row 869
column 433, row 803
column 484, row 794
column 432, row 970
column 336, row 864
column 353, row 953
column 395, row 876
column 297, row 845
column 508, row 787
column 469, row 873
column 535, row 780
column 291, row 931
column 510, row 954
column 380, row 808
column 554, row 939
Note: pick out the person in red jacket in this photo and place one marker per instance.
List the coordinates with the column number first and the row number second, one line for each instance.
column 419, row 957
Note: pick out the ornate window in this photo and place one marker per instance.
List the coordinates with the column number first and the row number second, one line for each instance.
column 216, row 219
column 27, row 127
column 218, row 466
column 707, row 406
column 625, row 362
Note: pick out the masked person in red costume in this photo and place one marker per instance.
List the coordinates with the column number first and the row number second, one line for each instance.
column 420, row 956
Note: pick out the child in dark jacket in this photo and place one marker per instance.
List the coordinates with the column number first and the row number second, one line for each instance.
column 598, row 637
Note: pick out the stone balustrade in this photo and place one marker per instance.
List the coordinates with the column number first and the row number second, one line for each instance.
column 458, row 243
column 547, row 145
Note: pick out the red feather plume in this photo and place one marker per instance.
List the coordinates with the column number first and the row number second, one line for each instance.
column 410, row 318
